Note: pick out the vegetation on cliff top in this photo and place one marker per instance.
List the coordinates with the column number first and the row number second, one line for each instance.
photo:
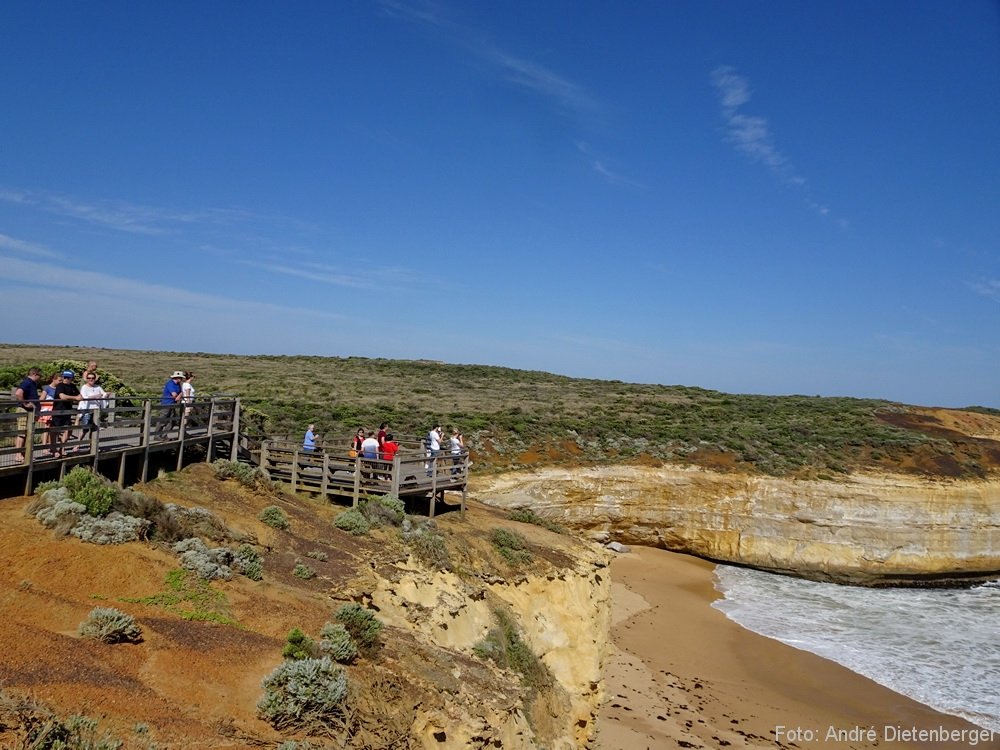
column 516, row 418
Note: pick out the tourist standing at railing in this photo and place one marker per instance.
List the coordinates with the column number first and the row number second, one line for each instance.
column 309, row 442
column 187, row 396
column 46, row 400
column 357, row 440
column 456, row 443
column 434, row 439
column 26, row 396
column 67, row 397
column 389, row 447
column 93, row 398
column 170, row 403
column 382, row 428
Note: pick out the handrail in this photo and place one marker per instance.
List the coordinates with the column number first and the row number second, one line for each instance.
column 128, row 425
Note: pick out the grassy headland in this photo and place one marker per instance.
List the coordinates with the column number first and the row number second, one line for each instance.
column 516, row 418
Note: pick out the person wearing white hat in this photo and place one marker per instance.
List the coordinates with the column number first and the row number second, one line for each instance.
column 170, row 403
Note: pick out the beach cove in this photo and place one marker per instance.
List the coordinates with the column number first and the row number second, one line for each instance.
column 679, row 673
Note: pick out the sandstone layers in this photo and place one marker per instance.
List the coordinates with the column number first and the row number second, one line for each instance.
column 861, row 529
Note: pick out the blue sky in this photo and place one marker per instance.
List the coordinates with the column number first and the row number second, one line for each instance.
column 757, row 197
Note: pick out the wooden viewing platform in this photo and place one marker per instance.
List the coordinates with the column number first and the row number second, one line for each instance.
column 412, row 472
column 133, row 430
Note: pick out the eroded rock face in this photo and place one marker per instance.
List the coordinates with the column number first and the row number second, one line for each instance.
column 870, row 530
column 565, row 619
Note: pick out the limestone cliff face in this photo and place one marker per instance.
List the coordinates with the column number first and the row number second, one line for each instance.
column 862, row 529
column 565, row 618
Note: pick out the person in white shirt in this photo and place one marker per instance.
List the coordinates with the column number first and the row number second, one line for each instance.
column 92, row 399
column 187, row 397
column 456, row 443
column 433, row 447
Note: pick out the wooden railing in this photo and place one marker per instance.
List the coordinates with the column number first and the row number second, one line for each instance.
column 413, row 471
column 127, row 428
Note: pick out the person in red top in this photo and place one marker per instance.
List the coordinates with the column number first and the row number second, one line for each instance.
column 389, row 447
column 382, row 432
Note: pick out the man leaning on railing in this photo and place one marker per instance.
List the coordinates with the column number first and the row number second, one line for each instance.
column 26, row 396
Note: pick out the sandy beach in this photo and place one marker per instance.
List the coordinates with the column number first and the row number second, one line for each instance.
column 680, row 674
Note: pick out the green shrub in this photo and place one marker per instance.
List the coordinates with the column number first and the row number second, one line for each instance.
column 504, row 646
column 316, row 554
column 511, row 545
column 90, row 490
column 360, row 623
column 383, row 510
column 274, row 516
column 251, row 477
column 429, row 547
column 248, row 561
column 353, row 522
column 303, row 694
column 337, row 643
column 110, row 625
column 526, row 515
column 298, row 645
column 303, row 571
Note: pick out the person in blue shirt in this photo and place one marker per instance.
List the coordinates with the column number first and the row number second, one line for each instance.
column 170, row 403
column 26, row 396
column 309, row 444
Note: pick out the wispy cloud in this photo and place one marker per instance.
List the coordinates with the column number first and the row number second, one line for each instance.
column 611, row 176
column 129, row 293
column 537, row 78
column 23, row 247
column 518, row 71
column 987, row 287
column 120, row 216
column 751, row 134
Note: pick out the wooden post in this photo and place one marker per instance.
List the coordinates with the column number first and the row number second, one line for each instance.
column 394, row 489
column 95, row 441
column 265, row 459
column 295, row 469
column 211, row 430
column 121, row 470
column 357, row 480
column 434, row 482
column 147, row 414
column 236, row 431
column 325, row 483
column 180, row 437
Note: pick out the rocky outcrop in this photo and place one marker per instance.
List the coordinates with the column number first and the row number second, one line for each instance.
column 862, row 529
column 564, row 616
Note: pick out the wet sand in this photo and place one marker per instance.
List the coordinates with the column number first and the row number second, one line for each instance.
column 680, row 674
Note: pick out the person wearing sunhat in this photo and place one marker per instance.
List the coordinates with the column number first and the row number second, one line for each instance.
column 170, row 403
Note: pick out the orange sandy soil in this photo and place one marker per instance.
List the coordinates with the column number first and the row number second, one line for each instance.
column 195, row 683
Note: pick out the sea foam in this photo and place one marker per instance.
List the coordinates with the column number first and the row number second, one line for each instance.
column 938, row 646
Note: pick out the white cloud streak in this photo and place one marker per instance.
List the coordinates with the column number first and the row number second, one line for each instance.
column 751, row 135
column 128, row 293
column 120, row 216
column 23, row 247
column 988, row 288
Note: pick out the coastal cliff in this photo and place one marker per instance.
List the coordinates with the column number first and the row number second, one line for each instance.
column 195, row 677
column 860, row 529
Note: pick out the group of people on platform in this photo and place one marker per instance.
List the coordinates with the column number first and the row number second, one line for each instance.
column 62, row 406
column 382, row 445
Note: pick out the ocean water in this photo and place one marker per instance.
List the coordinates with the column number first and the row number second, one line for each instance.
column 938, row 646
